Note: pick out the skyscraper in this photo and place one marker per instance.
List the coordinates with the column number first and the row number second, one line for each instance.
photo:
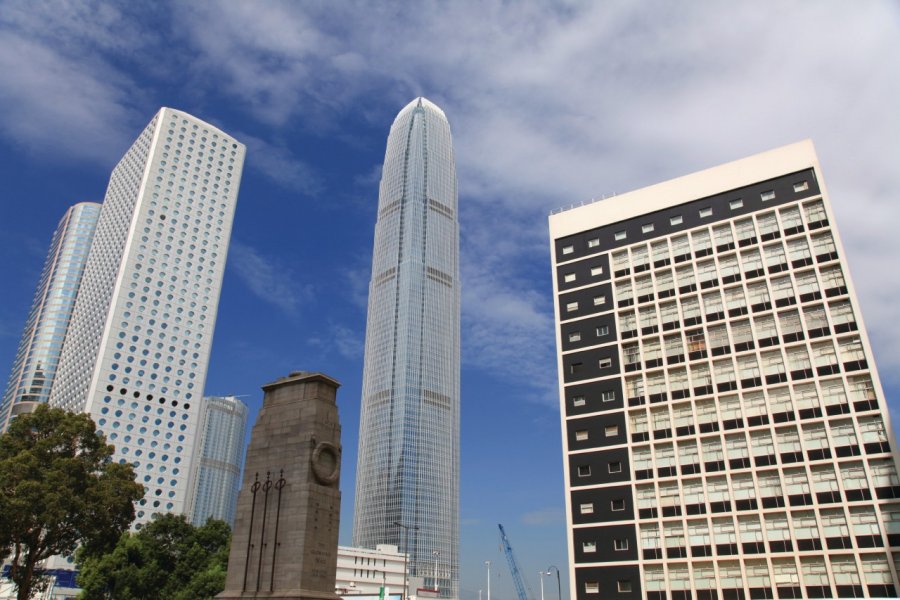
column 408, row 470
column 137, row 350
column 218, row 460
column 724, row 428
column 34, row 369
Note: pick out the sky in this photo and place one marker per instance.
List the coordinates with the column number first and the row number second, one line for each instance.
column 550, row 103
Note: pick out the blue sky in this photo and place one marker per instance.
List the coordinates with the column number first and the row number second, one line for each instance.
column 550, row 104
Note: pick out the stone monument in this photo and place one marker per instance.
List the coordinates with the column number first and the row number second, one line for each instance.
column 286, row 529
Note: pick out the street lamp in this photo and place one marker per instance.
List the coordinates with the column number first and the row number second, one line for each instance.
column 435, row 554
column 406, row 529
column 558, row 586
column 488, row 564
column 541, row 577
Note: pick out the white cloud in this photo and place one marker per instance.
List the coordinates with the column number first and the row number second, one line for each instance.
column 278, row 163
column 268, row 278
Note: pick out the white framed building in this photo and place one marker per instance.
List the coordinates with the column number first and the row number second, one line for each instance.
column 724, row 429
column 136, row 353
column 363, row 572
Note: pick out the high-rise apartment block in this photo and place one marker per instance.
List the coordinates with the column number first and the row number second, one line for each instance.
column 136, row 353
column 34, row 369
column 218, row 460
column 407, row 478
column 724, row 429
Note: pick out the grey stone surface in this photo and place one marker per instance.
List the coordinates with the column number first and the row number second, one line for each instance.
column 286, row 530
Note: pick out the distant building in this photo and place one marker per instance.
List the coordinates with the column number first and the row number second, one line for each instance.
column 34, row 368
column 361, row 571
column 725, row 432
column 408, row 463
column 218, row 459
column 136, row 353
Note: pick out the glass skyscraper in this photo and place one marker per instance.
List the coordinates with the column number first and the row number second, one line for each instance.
column 34, row 369
column 137, row 349
column 220, row 454
column 408, row 471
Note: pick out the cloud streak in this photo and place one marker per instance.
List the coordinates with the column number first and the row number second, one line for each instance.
column 267, row 278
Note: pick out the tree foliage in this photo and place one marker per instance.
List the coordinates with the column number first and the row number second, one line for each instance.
column 169, row 559
column 58, row 490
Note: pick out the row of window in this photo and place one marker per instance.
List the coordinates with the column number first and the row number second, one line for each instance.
column 706, row 212
column 817, row 574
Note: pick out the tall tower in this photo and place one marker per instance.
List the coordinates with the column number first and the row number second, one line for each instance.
column 724, row 429
column 217, row 464
column 408, row 470
column 136, row 353
column 34, row 369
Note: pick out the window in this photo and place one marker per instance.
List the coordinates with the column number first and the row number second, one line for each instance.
column 801, row 186
column 724, row 238
column 575, row 368
column 584, row 470
column 608, row 396
column 768, row 225
column 575, row 336
column 593, row 242
column 736, row 204
column 599, row 300
column 568, row 249
column 676, row 220
column 624, row 292
column 620, row 261
column 620, row 545
column 591, row 587
column 623, row 585
column 621, row 235
column 578, row 401
column 815, row 212
column 589, row 546
column 587, row 508
column 602, row 331
column 617, row 505
column 581, row 435
column 615, row 467
column 660, row 251
column 705, row 212
column 605, row 363
column 701, row 241
column 571, row 306
column 790, row 219
column 596, row 271
column 767, row 195
column 647, row 228
column 680, row 245
column 569, row 277
column 611, row 431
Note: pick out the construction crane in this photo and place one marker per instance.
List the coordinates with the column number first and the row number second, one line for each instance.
column 522, row 589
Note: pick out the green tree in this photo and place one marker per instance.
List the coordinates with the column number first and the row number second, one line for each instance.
column 169, row 559
column 58, row 490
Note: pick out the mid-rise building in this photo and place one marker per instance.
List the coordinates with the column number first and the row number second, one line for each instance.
column 724, row 429
column 365, row 571
column 407, row 478
column 34, row 368
column 136, row 353
column 218, row 460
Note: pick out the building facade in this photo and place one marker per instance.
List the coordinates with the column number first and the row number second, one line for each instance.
column 364, row 571
column 724, row 428
column 408, row 469
column 34, row 369
column 218, row 460
column 136, row 353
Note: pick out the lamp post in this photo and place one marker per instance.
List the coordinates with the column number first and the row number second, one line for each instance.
column 406, row 529
column 435, row 554
column 558, row 585
column 541, row 577
column 488, row 564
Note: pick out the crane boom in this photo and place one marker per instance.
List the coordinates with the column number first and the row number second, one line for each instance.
column 522, row 589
